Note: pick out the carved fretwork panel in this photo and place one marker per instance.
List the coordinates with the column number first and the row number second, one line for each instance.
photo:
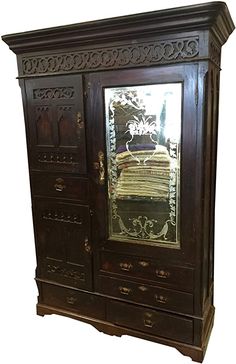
column 56, row 124
column 129, row 55
column 62, row 235
column 54, row 93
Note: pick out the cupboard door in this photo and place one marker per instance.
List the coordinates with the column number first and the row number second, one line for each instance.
column 143, row 163
column 55, row 124
column 62, row 232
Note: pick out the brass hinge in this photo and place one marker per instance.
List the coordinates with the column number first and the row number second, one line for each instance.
column 87, row 246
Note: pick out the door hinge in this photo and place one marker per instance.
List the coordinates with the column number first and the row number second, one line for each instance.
column 91, row 212
column 196, row 95
column 88, row 86
column 87, row 246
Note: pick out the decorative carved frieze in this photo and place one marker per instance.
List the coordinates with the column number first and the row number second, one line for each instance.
column 53, row 93
column 148, row 53
column 57, row 158
column 66, row 273
column 61, row 216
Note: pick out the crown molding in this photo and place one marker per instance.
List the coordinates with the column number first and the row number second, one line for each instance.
column 213, row 16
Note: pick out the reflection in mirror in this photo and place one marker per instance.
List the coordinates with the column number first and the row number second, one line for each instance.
column 143, row 127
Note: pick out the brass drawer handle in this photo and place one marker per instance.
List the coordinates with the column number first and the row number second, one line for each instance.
column 125, row 290
column 148, row 323
column 126, row 266
column 148, row 320
column 143, row 264
column 162, row 273
column 71, row 300
column 161, row 299
column 100, row 167
column 60, row 184
column 143, row 288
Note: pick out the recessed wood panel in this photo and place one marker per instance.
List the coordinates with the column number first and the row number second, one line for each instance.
column 62, row 238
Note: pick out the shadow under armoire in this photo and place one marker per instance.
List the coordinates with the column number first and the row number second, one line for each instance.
column 121, row 122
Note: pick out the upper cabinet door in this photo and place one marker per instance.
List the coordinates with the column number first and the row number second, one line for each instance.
column 144, row 123
column 55, row 123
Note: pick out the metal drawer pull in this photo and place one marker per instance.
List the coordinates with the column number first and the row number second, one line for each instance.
column 143, row 264
column 162, row 273
column 161, row 299
column 71, row 300
column 148, row 323
column 60, row 184
column 125, row 290
column 126, row 266
column 147, row 320
column 143, row 288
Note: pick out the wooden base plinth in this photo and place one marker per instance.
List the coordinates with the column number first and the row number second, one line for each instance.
column 195, row 353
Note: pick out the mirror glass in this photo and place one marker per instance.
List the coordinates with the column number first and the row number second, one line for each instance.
column 143, row 132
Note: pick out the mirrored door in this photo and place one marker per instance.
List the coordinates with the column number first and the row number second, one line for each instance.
column 142, row 142
column 143, row 132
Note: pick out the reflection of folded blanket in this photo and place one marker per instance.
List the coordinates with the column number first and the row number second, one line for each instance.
column 140, row 170
column 133, row 147
column 159, row 152
column 146, row 177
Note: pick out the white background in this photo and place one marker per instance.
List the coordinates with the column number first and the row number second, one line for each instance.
column 27, row 338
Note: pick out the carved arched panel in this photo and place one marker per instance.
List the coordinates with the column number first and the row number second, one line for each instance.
column 67, row 126
column 44, row 129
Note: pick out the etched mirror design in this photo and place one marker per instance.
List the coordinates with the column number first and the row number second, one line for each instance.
column 143, row 130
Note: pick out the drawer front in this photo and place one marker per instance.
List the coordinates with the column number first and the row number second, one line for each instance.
column 59, row 185
column 73, row 300
column 165, row 274
column 142, row 293
column 150, row 321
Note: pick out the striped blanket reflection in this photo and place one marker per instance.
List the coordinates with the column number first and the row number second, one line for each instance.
column 143, row 173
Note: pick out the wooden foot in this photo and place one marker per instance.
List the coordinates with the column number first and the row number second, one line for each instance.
column 42, row 311
column 196, row 354
column 109, row 330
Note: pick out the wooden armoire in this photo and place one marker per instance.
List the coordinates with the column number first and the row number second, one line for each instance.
column 121, row 123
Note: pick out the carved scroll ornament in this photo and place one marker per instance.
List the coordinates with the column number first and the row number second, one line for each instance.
column 148, row 53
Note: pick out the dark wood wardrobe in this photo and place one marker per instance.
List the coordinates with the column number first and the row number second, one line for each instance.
column 121, row 123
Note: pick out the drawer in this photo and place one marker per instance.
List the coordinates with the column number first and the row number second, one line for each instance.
column 151, row 321
column 142, row 293
column 83, row 303
column 137, row 267
column 59, row 185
